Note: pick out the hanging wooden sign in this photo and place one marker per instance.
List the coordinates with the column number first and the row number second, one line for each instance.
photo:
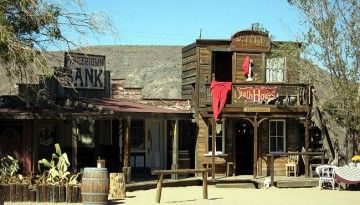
column 254, row 94
column 257, row 109
column 85, row 71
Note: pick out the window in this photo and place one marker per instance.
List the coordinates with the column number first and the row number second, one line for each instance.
column 277, row 135
column 220, row 137
column 137, row 138
column 275, row 70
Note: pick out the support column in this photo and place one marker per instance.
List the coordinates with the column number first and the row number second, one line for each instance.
column 126, row 167
column 121, row 137
column 175, row 149
column 213, row 148
column 35, row 144
column 255, row 124
column 307, row 124
column 74, row 139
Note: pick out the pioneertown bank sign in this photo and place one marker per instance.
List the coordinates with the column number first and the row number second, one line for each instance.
column 85, row 71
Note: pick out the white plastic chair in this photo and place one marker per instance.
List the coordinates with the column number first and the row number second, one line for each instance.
column 326, row 175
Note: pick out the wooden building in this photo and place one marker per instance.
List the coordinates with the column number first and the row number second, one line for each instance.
column 81, row 115
column 267, row 109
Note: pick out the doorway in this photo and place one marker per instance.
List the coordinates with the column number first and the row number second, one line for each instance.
column 222, row 66
column 244, row 147
column 155, row 144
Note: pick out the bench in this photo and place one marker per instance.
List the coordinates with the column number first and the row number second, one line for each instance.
column 218, row 161
column 161, row 174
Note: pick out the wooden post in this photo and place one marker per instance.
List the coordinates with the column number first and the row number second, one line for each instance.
column 272, row 169
column 121, row 134
column 175, row 149
column 213, row 148
column 255, row 147
column 205, row 189
column 307, row 122
column 35, row 136
column 126, row 167
column 74, row 138
column 159, row 187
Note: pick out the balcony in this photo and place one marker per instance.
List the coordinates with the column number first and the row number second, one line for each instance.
column 266, row 96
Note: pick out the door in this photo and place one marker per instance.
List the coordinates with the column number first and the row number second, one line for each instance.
column 244, row 143
column 156, row 155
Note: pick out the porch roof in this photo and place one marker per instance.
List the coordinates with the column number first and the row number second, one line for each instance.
column 92, row 108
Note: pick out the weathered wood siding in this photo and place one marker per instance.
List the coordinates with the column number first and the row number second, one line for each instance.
column 201, row 148
column 258, row 68
column 204, row 74
column 189, row 71
column 293, row 144
column 201, row 141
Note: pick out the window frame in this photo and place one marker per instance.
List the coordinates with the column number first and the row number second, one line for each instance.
column 272, row 69
column 277, row 136
column 222, row 151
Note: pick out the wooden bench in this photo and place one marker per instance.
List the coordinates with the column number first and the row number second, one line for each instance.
column 218, row 161
column 161, row 174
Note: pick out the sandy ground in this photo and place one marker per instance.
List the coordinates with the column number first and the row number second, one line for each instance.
column 193, row 195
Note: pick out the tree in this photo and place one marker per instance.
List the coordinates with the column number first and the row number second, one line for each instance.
column 332, row 40
column 30, row 27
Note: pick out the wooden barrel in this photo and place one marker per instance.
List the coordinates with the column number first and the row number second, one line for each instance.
column 95, row 185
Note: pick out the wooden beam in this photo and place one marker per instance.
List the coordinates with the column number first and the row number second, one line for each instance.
column 126, row 167
column 255, row 124
column 180, row 171
column 307, row 124
column 175, row 149
column 205, row 189
column 74, row 139
column 121, row 137
column 213, row 148
column 159, row 188
column 35, row 151
column 161, row 174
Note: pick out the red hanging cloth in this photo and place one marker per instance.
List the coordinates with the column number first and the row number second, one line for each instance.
column 219, row 91
column 245, row 65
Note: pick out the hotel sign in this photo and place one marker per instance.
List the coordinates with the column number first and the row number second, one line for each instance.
column 257, row 109
column 85, row 71
column 254, row 94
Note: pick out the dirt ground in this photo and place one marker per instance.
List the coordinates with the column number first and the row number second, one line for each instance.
column 193, row 195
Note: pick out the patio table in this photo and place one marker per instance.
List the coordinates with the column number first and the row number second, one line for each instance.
column 348, row 174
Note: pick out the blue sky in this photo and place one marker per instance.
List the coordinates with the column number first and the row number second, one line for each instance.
column 178, row 22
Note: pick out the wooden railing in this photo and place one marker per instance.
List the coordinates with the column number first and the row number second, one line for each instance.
column 272, row 94
column 161, row 174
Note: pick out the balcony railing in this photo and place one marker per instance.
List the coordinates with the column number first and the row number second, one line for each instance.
column 266, row 94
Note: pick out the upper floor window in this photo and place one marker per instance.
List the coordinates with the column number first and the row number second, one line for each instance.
column 220, row 137
column 277, row 135
column 275, row 70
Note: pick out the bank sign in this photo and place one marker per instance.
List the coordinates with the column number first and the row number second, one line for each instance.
column 85, row 71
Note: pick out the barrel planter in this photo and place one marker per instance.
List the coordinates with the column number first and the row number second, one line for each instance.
column 95, row 185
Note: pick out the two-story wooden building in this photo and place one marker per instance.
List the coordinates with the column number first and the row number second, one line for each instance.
column 267, row 109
